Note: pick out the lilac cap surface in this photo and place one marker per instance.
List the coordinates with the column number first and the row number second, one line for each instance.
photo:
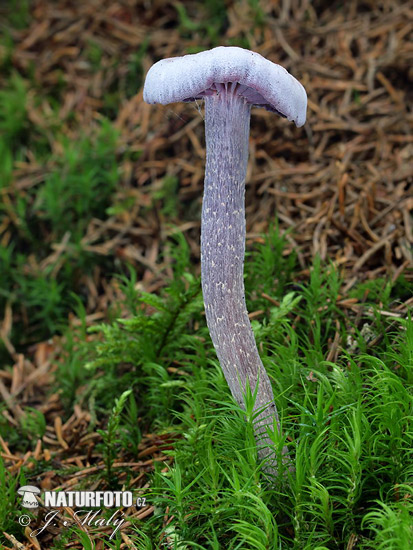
column 261, row 82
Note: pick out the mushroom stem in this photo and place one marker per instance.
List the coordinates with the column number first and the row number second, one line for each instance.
column 227, row 121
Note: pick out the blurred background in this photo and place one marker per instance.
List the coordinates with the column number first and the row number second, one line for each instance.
column 93, row 180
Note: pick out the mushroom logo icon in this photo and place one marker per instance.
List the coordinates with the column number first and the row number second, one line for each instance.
column 29, row 493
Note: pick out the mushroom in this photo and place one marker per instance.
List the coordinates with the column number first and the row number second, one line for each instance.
column 230, row 80
column 28, row 493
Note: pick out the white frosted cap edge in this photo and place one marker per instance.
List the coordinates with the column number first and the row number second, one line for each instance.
column 181, row 78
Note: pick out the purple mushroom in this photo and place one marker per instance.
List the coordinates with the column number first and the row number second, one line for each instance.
column 230, row 80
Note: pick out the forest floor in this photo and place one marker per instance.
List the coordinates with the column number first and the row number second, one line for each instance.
column 100, row 200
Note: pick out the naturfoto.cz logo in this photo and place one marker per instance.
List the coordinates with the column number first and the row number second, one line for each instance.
column 91, row 499
column 78, row 499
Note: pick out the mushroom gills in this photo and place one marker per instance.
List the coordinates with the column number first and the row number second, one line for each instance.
column 250, row 94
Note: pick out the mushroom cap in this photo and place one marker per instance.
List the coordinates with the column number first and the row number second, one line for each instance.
column 262, row 83
column 28, row 489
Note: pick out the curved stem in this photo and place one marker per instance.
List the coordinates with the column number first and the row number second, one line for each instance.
column 227, row 119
